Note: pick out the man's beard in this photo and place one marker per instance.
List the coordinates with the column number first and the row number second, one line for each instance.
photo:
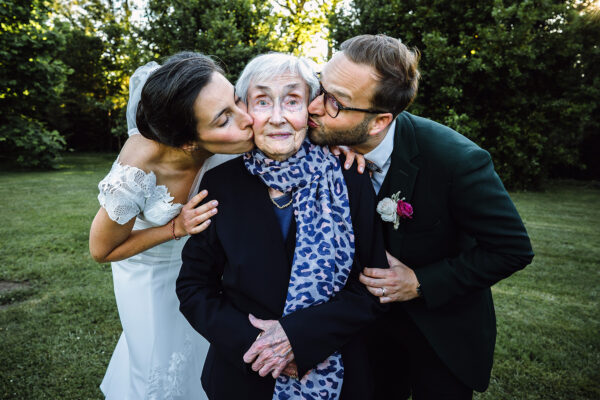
column 349, row 137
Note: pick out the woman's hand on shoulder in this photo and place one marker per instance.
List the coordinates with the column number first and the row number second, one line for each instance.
column 351, row 156
column 194, row 219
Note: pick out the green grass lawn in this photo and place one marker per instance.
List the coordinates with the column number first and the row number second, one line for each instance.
column 58, row 329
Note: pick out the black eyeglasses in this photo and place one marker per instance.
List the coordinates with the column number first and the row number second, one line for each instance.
column 333, row 106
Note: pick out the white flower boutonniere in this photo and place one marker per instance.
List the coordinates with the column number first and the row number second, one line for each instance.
column 394, row 208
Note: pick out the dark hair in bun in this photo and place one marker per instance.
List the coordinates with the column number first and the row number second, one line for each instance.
column 166, row 110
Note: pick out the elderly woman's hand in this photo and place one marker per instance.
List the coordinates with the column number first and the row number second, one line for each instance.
column 194, row 219
column 272, row 351
column 350, row 157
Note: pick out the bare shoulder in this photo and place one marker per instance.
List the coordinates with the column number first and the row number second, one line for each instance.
column 139, row 152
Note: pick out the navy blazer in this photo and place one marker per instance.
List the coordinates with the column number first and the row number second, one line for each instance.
column 465, row 235
column 241, row 265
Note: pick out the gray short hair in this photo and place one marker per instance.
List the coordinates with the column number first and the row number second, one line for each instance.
column 266, row 66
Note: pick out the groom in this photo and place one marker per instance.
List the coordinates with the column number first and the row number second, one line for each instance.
column 452, row 232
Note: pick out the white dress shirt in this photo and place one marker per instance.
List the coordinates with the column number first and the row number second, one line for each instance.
column 382, row 157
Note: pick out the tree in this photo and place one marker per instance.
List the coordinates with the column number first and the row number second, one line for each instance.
column 300, row 22
column 232, row 31
column 103, row 51
column 585, row 84
column 501, row 72
column 32, row 79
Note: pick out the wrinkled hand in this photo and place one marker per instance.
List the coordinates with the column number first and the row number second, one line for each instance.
column 272, row 351
column 351, row 156
column 398, row 283
column 194, row 220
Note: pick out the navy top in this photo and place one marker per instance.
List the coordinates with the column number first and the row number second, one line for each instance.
column 284, row 215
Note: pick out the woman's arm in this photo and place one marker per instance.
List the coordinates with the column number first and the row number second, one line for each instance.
column 111, row 241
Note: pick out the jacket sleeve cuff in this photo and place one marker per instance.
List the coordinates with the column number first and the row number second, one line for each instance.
column 433, row 284
column 294, row 335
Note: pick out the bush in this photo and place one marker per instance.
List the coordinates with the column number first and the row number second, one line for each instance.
column 28, row 143
column 31, row 81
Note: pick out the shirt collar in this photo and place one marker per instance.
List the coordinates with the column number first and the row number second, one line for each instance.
column 380, row 154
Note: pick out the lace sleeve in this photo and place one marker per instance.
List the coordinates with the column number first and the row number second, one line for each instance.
column 123, row 192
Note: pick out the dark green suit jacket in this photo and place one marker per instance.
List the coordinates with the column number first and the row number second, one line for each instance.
column 465, row 235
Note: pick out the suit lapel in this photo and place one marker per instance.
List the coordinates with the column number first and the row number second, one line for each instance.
column 402, row 174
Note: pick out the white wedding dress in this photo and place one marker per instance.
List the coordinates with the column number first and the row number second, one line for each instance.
column 159, row 356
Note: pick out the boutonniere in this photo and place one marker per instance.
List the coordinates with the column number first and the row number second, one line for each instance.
column 394, row 208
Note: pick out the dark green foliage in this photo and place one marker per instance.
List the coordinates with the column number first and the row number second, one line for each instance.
column 103, row 48
column 84, row 119
column 29, row 143
column 31, row 82
column 587, row 34
column 102, row 51
column 507, row 74
column 232, row 31
column 517, row 77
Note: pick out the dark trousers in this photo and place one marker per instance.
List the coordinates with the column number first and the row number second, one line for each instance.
column 404, row 363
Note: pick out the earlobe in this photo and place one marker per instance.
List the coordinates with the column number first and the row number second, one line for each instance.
column 379, row 123
column 189, row 147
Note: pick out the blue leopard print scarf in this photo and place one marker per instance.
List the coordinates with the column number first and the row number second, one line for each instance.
column 324, row 249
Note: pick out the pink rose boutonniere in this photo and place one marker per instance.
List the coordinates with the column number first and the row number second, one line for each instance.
column 394, row 208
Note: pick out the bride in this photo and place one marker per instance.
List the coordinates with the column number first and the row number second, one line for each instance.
column 187, row 112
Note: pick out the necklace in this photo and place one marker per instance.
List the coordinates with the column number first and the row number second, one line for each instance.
column 283, row 206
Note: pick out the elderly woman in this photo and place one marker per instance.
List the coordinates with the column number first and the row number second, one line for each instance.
column 274, row 280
